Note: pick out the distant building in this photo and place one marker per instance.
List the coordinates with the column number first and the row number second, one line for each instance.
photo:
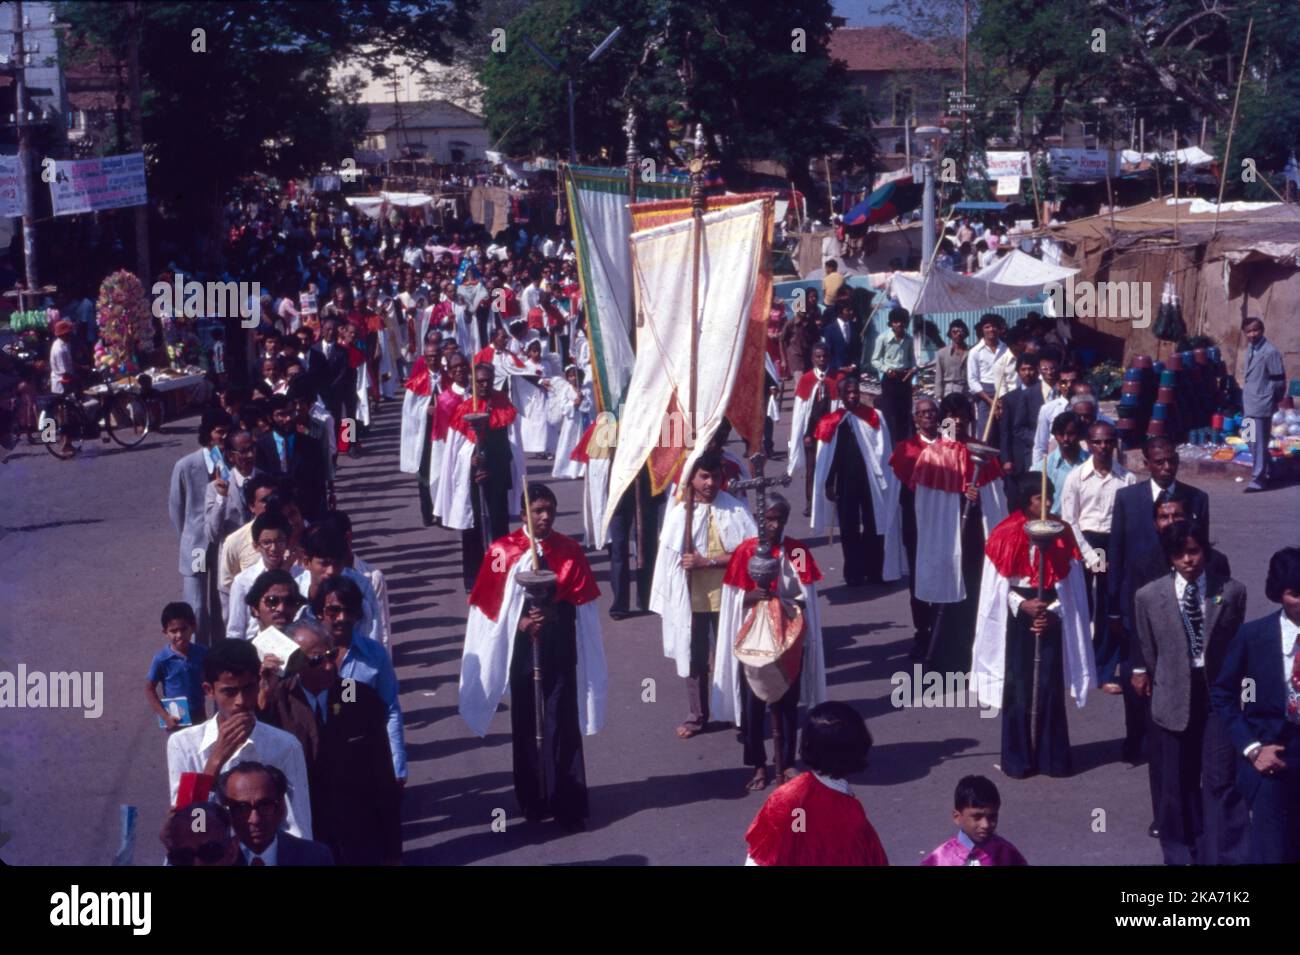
column 427, row 129
column 902, row 76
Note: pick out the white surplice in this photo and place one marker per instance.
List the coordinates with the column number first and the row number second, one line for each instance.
column 725, row 702
column 670, row 594
column 571, row 422
column 451, row 499
column 415, row 428
column 489, row 646
column 875, row 446
column 938, row 539
column 990, row 651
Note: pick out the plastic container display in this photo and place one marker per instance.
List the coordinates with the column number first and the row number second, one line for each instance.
column 1159, row 412
column 1165, row 395
column 1155, row 427
column 1141, row 361
column 1168, row 379
column 1174, row 362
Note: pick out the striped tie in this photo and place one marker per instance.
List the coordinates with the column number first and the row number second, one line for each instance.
column 1195, row 620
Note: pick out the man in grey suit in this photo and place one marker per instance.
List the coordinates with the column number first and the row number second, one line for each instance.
column 185, row 504
column 253, row 794
column 1262, row 388
column 1185, row 622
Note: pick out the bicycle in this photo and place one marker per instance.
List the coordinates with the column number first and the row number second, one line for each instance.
column 125, row 416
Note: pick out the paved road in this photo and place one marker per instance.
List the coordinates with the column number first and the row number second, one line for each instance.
column 88, row 558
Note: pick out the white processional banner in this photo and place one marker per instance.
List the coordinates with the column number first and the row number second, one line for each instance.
column 656, row 412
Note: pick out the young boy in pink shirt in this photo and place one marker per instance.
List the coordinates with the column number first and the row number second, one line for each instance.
column 975, row 811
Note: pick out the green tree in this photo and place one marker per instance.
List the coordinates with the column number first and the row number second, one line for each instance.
column 761, row 89
column 235, row 88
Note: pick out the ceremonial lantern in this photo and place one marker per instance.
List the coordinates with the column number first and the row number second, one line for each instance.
column 1041, row 532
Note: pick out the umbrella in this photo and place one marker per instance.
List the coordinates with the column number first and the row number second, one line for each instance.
column 888, row 202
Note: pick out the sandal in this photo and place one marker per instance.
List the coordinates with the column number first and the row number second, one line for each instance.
column 689, row 729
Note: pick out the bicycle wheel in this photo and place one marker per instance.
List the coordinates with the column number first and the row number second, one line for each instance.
column 62, row 428
column 127, row 419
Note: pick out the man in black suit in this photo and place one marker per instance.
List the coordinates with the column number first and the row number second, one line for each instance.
column 253, row 794
column 843, row 337
column 1257, row 696
column 1185, row 623
column 312, row 358
column 338, row 379
column 355, row 798
column 289, row 452
column 1134, row 558
column 1019, row 410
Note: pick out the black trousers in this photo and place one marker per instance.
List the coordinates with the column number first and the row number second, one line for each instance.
column 896, row 404
column 1107, row 647
column 862, row 547
column 472, row 548
column 1053, row 756
column 756, row 723
column 704, row 635
column 955, row 622
column 559, row 787
column 1201, row 817
column 921, row 611
column 422, row 479
column 622, row 532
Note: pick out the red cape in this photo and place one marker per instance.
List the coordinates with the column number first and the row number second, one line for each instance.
column 1008, row 549
column 501, row 414
column 487, row 356
column 904, row 457
column 946, row 465
column 580, row 453
column 738, row 567
column 420, row 382
column 835, row 828
column 575, row 584
column 808, row 384
column 826, row 427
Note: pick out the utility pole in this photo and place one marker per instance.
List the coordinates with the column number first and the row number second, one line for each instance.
column 24, row 151
column 137, row 138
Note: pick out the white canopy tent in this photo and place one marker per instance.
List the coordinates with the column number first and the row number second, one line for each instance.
column 1007, row 279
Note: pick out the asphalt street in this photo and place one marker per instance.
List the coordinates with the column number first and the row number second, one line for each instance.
column 88, row 558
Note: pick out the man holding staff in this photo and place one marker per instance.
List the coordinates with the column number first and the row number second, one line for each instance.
column 504, row 620
column 1032, row 628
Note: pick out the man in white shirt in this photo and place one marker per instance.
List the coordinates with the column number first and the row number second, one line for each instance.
column 981, row 377
column 1069, row 373
column 234, row 735
column 1087, row 505
column 63, row 369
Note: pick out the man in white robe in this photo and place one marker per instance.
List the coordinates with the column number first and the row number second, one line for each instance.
column 417, row 422
column 862, row 487
column 949, row 559
column 1011, row 620
column 475, row 478
column 733, row 700
column 687, row 588
column 503, row 622
column 530, row 392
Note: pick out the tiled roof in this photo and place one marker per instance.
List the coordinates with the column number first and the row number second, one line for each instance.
column 423, row 114
column 876, row 49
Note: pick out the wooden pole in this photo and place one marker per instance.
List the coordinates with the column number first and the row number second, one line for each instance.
column 697, row 234
column 633, row 157
column 1175, row 154
column 1232, row 126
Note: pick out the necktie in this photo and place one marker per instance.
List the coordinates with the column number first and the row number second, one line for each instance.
column 1195, row 621
column 1293, row 687
column 257, row 860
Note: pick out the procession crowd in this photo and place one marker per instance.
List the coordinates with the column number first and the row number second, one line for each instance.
column 1035, row 561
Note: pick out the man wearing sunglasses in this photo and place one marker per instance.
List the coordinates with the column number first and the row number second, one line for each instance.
column 199, row 834
column 254, row 795
column 271, row 533
column 355, row 799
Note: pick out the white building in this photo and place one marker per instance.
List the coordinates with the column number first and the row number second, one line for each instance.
column 426, row 129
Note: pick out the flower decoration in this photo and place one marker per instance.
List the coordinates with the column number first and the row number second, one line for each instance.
column 124, row 326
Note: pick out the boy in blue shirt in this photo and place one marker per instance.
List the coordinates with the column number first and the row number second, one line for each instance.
column 178, row 667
